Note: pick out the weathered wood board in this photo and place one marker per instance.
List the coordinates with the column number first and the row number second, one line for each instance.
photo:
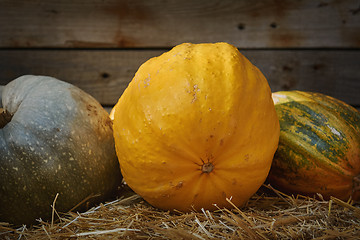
column 106, row 73
column 311, row 45
column 158, row 23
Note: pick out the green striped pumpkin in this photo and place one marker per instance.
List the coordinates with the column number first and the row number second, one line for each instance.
column 319, row 147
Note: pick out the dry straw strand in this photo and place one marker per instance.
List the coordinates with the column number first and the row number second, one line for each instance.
column 269, row 214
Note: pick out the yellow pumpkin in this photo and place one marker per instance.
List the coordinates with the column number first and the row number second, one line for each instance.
column 195, row 126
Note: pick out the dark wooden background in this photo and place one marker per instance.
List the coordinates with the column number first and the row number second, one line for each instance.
column 311, row 45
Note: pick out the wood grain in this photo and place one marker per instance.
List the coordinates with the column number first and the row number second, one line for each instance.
column 158, row 23
column 106, row 73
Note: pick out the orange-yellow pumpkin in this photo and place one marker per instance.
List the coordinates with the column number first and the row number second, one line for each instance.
column 195, row 126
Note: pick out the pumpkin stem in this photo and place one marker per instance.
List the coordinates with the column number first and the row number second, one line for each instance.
column 207, row 167
column 5, row 117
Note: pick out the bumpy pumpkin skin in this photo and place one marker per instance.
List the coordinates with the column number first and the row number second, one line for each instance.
column 59, row 140
column 195, row 126
column 319, row 147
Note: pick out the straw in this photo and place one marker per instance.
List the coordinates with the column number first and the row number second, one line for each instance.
column 269, row 214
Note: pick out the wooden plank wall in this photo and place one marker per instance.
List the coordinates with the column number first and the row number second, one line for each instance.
column 98, row 45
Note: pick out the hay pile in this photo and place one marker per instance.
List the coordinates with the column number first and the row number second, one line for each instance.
column 269, row 214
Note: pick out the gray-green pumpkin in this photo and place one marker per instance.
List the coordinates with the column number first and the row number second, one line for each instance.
column 54, row 139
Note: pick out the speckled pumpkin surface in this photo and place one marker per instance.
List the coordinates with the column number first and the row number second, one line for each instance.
column 319, row 148
column 54, row 138
column 195, row 126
